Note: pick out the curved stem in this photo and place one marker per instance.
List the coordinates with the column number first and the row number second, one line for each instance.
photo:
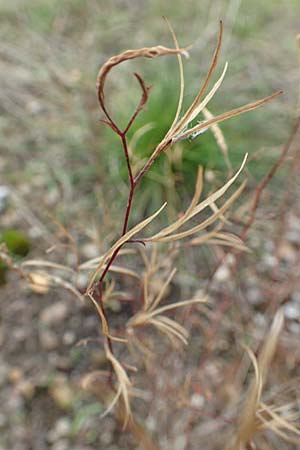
column 98, row 286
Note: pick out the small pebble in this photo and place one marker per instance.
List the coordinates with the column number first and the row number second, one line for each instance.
column 222, row 274
column 197, row 400
column 61, row 429
column 62, row 444
column 54, row 314
column 26, row 388
column 4, row 193
column 2, row 421
column 48, row 339
column 15, row 375
column 255, row 296
column 69, row 338
column 269, row 261
column 62, row 393
column 292, row 310
column 180, row 442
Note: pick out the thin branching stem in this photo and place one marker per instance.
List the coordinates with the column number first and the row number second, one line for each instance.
column 178, row 130
column 125, row 150
column 98, row 286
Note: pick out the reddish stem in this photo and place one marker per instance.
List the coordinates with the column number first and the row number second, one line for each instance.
column 98, row 286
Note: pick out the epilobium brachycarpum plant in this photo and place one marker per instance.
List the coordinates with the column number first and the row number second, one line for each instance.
column 181, row 128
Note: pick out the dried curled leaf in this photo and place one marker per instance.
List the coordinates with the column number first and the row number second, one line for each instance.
column 145, row 52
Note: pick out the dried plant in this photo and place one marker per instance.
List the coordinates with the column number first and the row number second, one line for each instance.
column 181, row 128
column 257, row 416
column 149, row 309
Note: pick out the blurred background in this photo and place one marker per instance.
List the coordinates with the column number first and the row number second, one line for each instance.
column 59, row 164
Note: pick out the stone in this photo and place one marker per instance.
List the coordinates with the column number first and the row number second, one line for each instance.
column 54, row 314
column 4, row 193
column 62, row 393
column 48, row 339
column 255, row 296
column 26, row 389
column 39, row 282
column 292, row 310
column 69, row 338
column 61, row 444
column 61, row 429
column 15, row 375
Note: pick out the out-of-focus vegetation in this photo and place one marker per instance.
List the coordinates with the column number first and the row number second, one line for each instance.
column 50, row 54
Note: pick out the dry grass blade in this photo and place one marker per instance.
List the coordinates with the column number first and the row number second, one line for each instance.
column 224, row 239
column 122, row 241
column 124, row 271
column 205, row 223
column 124, row 383
column 267, row 352
column 249, row 424
column 135, row 344
column 221, row 117
column 177, row 305
column 107, row 294
column 117, row 269
column 49, row 264
column 219, row 137
column 186, row 216
column 152, row 315
column 219, row 193
column 215, row 208
column 96, row 384
column 180, row 65
column 198, row 109
column 104, row 323
column 186, row 118
column 157, row 300
column 227, row 243
column 66, row 285
column 103, row 394
column 94, row 262
column 170, row 328
column 270, row 419
column 195, row 209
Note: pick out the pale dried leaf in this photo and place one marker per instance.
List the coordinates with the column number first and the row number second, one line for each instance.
column 186, row 118
column 219, row 137
column 160, row 296
column 198, row 208
column 39, row 282
column 227, row 115
column 124, row 383
column 180, row 65
column 204, row 224
column 121, row 241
